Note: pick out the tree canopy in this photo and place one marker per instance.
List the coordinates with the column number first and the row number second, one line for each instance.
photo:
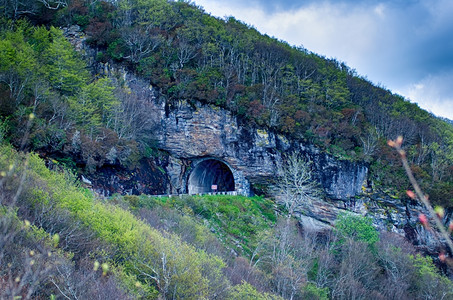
column 188, row 54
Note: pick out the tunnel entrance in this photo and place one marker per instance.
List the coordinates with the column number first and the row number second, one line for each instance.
column 208, row 173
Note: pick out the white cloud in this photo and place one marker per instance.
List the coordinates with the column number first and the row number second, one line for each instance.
column 391, row 43
column 380, row 10
column 346, row 32
column 335, row 31
column 433, row 93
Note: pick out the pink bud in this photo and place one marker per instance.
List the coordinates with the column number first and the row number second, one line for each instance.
column 411, row 194
column 442, row 257
column 423, row 219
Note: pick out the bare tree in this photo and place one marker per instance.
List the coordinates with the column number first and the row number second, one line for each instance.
column 82, row 282
column 296, row 184
column 288, row 256
column 54, row 4
column 24, row 262
column 370, row 142
column 393, row 254
column 141, row 42
column 17, row 8
column 133, row 119
column 186, row 52
column 357, row 272
column 325, row 273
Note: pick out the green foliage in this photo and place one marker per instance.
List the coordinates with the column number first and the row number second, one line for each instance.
column 3, row 130
column 441, row 193
column 428, row 280
column 311, row 291
column 145, row 248
column 16, row 54
column 65, row 70
column 41, row 73
column 17, row 61
column 235, row 217
column 167, row 263
column 132, row 284
column 356, row 227
column 95, row 104
column 39, row 266
column 246, row 291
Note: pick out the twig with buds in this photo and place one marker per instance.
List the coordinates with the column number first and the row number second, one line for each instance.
column 437, row 214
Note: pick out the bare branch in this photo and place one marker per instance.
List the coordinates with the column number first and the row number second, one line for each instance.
column 424, row 199
column 296, row 184
column 54, row 4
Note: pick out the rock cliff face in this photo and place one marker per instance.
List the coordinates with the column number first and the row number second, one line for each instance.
column 194, row 132
column 195, row 135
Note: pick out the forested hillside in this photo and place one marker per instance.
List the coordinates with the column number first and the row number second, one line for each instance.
column 59, row 119
column 188, row 54
column 59, row 241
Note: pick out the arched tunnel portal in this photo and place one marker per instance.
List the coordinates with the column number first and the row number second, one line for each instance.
column 210, row 172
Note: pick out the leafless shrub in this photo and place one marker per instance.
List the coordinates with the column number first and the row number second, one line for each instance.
column 357, row 271
column 242, row 270
column 24, row 262
column 166, row 220
column 397, row 268
column 82, row 282
column 287, row 255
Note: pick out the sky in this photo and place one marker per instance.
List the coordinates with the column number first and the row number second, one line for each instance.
column 405, row 46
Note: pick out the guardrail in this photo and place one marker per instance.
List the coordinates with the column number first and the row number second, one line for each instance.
column 232, row 193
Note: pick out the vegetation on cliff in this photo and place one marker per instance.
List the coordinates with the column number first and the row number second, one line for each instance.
column 187, row 54
column 60, row 240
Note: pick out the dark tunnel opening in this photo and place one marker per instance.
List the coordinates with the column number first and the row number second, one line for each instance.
column 208, row 173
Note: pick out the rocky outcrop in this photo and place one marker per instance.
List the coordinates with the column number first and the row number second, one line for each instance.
column 148, row 177
column 191, row 132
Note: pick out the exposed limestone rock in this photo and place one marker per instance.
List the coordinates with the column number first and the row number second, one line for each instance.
column 192, row 132
column 312, row 224
column 196, row 130
column 147, row 178
column 75, row 36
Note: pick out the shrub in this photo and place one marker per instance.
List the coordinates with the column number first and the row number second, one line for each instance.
column 356, row 227
column 237, row 217
column 246, row 291
column 174, row 267
column 311, row 291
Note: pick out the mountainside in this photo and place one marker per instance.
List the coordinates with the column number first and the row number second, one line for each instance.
column 188, row 55
column 61, row 241
column 151, row 97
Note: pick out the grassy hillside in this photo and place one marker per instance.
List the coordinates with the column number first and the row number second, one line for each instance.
column 59, row 240
column 143, row 261
column 236, row 220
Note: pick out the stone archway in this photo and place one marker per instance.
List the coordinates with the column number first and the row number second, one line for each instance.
column 210, row 172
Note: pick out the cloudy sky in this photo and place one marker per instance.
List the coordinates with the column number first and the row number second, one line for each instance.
column 403, row 45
